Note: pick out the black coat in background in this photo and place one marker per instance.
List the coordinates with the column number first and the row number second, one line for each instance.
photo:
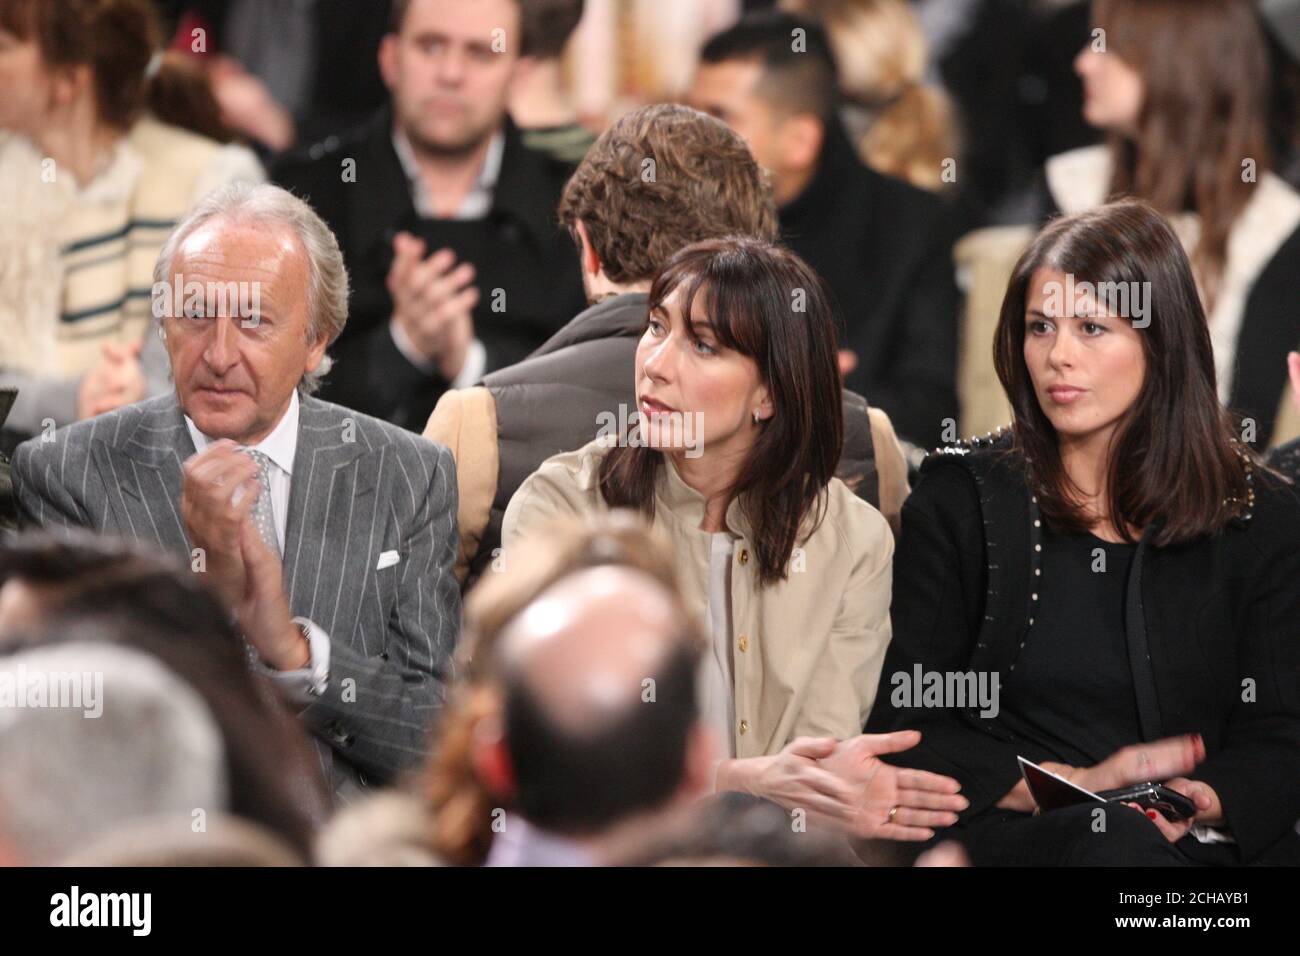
column 519, row 249
column 884, row 248
column 1216, row 611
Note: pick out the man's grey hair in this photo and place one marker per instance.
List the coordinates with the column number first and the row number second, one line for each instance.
column 154, row 752
column 327, row 276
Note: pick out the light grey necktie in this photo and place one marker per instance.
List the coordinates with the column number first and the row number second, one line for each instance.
column 263, row 514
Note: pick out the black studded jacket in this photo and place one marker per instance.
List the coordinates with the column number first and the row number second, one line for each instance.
column 1220, row 617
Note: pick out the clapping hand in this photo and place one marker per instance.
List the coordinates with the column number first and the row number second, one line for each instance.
column 219, row 488
column 264, row 610
column 433, row 302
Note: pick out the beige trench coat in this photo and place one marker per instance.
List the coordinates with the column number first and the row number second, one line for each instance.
column 808, row 650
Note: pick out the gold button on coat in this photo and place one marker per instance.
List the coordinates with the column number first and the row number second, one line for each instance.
column 743, row 643
column 744, row 726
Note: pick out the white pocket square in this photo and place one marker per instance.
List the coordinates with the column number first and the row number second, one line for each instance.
column 387, row 559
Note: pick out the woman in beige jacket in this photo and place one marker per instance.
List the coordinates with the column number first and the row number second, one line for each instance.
column 731, row 454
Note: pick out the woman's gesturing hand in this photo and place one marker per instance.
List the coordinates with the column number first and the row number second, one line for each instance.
column 794, row 779
column 894, row 803
column 849, row 787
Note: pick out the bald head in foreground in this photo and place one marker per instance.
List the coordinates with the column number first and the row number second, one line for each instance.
column 600, row 728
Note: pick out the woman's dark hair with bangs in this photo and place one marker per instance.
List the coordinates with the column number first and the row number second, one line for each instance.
column 765, row 302
column 1174, row 458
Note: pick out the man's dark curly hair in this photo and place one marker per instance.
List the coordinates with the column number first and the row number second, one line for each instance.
column 661, row 178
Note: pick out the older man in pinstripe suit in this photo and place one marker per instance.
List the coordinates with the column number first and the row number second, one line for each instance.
column 330, row 534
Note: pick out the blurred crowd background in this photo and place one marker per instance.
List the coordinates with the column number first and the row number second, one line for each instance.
column 990, row 83
column 961, row 125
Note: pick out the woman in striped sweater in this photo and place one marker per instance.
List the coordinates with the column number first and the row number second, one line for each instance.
column 98, row 161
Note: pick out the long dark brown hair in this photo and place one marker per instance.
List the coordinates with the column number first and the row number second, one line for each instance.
column 1174, row 458
column 1204, row 65
column 764, row 302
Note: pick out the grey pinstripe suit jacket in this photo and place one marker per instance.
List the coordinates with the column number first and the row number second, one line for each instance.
column 360, row 487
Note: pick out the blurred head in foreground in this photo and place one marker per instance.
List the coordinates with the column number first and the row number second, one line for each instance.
column 600, row 722
column 461, row 803
column 94, row 589
column 94, row 736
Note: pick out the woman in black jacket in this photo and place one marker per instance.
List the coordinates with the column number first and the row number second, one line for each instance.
column 1117, row 569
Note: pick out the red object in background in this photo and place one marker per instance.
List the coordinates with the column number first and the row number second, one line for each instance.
column 183, row 41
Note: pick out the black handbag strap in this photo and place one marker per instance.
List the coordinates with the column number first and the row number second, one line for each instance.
column 1139, row 654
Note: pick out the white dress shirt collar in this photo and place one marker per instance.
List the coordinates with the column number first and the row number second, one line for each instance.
column 523, row 844
column 477, row 203
column 280, row 446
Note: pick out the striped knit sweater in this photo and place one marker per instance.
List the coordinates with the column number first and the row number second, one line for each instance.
column 76, row 262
